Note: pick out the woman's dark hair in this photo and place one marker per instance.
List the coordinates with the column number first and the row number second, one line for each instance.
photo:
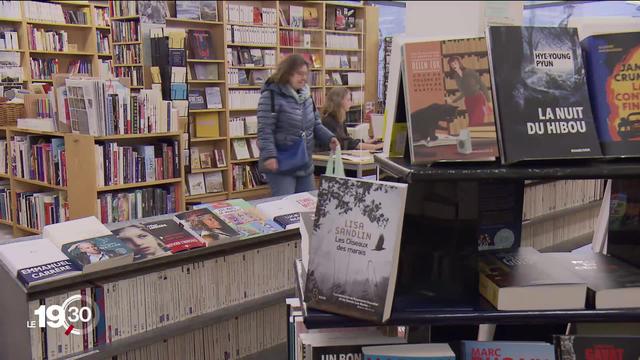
column 287, row 67
column 458, row 60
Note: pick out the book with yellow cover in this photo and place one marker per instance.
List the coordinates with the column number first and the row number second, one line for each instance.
column 207, row 125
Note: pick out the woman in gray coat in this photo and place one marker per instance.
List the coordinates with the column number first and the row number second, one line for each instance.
column 288, row 118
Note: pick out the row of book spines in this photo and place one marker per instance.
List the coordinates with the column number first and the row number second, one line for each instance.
column 237, row 34
column 5, row 204
column 125, row 31
column 41, row 165
column 123, row 8
column 133, row 73
column 137, row 115
column 127, row 54
column 48, row 40
column 35, row 210
column 136, row 204
column 246, row 177
column 125, row 164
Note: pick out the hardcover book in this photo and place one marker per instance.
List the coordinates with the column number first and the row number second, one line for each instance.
column 205, row 160
column 499, row 350
column 242, row 216
column 173, row 236
column 448, row 101
column 206, row 71
column 214, row 99
column 310, row 17
column 542, row 104
column 206, row 225
column 354, row 247
column 613, row 284
column 521, row 279
column 613, row 65
column 36, row 260
column 208, row 10
column 196, row 184
column 583, row 347
column 296, row 16
column 412, row 352
column 188, row 10
column 141, row 241
column 207, row 125
column 240, row 149
column 177, row 57
column 98, row 253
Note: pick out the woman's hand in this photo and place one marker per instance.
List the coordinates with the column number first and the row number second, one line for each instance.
column 271, row 165
column 334, row 143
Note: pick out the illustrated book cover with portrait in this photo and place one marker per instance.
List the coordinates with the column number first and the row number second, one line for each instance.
column 242, row 216
column 141, row 241
column 98, row 253
column 498, row 350
column 354, row 247
column 542, row 104
column 592, row 347
column 523, row 279
column 613, row 76
column 173, row 236
column 448, row 101
column 206, row 225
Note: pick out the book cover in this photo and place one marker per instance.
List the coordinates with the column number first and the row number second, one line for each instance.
column 208, row 10
column 221, row 161
column 499, row 350
column 200, row 45
column 499, row 214
column 214, row 99
column 36, row 260
column 173, row 236
column 340, row 19
column 310, row 17
column 583, row 347
column 542, row 104
column 447, row 95
column 613, row 65
column 413, row 352
column 355, row 245
column 521, row 279
column 196, row 100
column 177, row 57
column 213, row 182
column 141, row 241
column 342, row 344
column 256, row 57
column 259, row 77
column 207, row 125
column 612, row 283
column 194, row 158
column 296, row 16
column 242, row 216
column 98, row 253
column 624, row 220
column 206, row 225
column 240, row 149
column 206, row 71
column 205, row 160
column 196, row 184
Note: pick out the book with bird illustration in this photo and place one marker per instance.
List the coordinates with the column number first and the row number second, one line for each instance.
column 354, row 247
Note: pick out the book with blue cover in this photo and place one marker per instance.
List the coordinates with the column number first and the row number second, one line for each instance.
column 498, row 350
column 613, row 77
column 242, row 217
column 409, row 352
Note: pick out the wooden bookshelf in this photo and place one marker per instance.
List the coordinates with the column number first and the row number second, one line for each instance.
column 139, row 184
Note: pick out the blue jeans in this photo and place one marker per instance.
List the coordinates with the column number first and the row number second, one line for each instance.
column 289, row 184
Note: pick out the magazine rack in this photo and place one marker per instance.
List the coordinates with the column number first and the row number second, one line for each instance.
column 468, row 307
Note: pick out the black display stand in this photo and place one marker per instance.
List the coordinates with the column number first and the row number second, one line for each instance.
column 464, row 306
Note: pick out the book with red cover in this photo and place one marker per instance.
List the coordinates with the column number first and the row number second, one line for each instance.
column 200, row 45
column 173, row 236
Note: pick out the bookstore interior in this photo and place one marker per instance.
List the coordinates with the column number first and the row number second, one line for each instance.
column 320, row 180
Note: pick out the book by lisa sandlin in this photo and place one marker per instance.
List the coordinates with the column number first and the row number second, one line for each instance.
column 541, row 95
column 354, row 247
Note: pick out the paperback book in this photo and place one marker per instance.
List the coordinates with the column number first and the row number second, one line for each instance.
column 206, row 225
column 498, row 350
column 448, row 101
column 142, row 242
column 522, row 279
column 412, row 352
column 98, row 253
column 542, row 104
column 173, row 236
column 597, row 347
column 242, row 217
column 613, row 64
column 354, row 247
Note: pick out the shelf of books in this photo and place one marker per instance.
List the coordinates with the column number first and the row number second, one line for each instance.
column 245, row 267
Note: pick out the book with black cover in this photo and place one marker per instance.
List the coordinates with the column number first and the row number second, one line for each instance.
column 584, row 347
column 177, row 57
column 355, row 246
column 624, row 220
column 173, row 235
column 612, row 283
column 521, row 279
column 200, row 45
column 613, row 65
column 539, row 87
column 196, row 99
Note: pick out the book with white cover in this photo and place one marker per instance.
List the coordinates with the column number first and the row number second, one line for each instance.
column 289, row 205
column 74, row 230
column 35, row 260
column 355, row 246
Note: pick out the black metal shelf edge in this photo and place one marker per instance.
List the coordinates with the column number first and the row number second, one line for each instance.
column 565, row 169
column 182, row 327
